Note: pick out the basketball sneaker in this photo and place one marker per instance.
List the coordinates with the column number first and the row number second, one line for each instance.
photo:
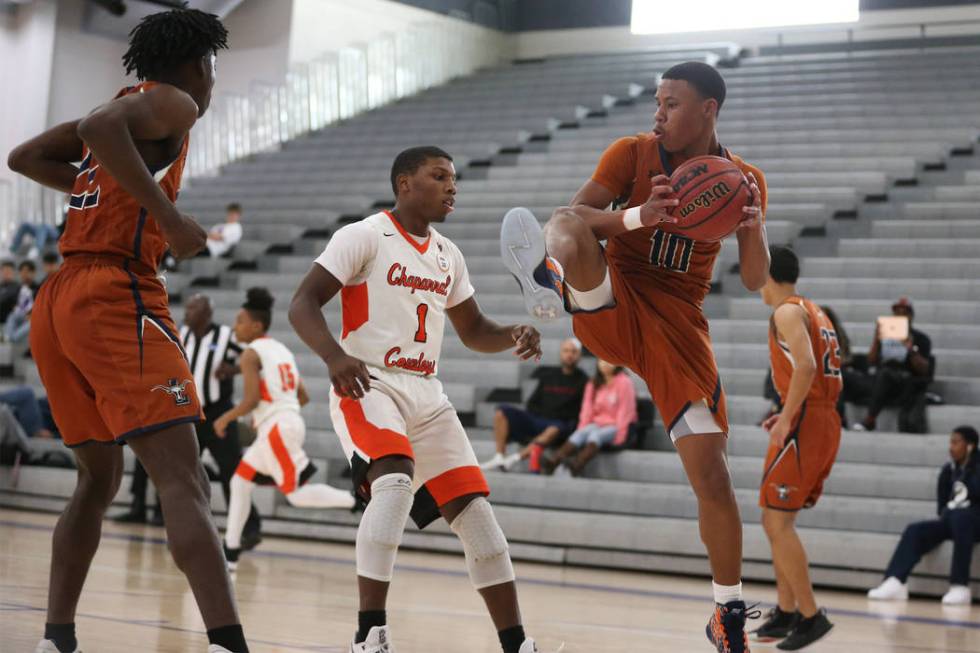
column 726, row 628
column 523, row 250
column 47, row 646
column 216, row 648
column 231, row 558
column 957, row 595
column 377, row 642
column 807, row 632
column 530, row 647
column 891, row 589
column 778, row 625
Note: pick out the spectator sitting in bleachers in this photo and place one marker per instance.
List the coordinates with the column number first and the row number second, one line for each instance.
column 608, row 411
column 223, row 237
column 18, row 324
column 958, row 498
column 9, row 289
column 27, row 409
column 40, row 233
column 903, row 371
column 551, row 414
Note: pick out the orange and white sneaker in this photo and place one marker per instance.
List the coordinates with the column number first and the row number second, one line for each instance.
column 726, row 628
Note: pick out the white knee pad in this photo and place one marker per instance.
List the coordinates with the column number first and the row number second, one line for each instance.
column 487, row 558
column 382, row 525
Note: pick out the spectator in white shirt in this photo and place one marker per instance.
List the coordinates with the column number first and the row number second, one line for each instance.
column 222, row 237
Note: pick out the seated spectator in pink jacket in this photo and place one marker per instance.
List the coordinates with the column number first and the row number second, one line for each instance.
column 608, row 410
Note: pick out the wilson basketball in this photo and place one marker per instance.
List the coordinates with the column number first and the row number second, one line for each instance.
column 712, row 192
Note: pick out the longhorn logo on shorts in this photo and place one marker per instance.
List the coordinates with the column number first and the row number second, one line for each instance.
column 176, row 390
column 782, row 491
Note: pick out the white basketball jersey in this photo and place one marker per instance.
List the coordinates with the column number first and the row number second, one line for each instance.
column 278, row 379
column 396, row 292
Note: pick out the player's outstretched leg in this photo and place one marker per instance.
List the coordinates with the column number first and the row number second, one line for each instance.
column 490, row 568
column 171, row 459
column 239, row 505
column 543, row 260
column 378, row 538
column 76, row 539
column 720, row 524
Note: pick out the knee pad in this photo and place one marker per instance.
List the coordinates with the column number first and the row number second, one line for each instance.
column 382, row 525
column 487, row 556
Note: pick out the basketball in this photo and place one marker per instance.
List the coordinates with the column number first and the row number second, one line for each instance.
column 712, row 192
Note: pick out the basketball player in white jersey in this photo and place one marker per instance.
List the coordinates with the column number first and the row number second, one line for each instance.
column 399, row 279
column 274, row 393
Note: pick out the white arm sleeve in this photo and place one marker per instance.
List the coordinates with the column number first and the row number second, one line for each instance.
column 350, row 253
column 462, row 288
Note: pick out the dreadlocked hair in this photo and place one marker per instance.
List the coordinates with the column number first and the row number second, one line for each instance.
column 165, row 40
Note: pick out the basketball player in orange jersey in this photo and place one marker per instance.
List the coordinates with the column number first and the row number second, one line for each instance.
column 803, row 442
column 105, row 345
column 637, row 301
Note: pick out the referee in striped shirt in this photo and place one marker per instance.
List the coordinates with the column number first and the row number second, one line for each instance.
column 213, row 358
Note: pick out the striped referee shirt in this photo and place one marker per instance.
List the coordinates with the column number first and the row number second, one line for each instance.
column 206, row 355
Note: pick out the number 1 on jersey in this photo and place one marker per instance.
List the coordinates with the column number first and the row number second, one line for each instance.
column 420, row 334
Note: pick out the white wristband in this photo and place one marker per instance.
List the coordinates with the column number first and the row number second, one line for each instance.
column 631, row 219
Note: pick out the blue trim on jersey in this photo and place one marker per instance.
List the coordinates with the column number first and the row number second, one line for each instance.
column 142, row 312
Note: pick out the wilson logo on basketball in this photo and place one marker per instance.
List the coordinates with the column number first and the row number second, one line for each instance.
column 705, row 199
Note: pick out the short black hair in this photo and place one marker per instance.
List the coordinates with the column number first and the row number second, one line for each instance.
column 163, row 41
column 50, row 258
column 258, row 303
column 233, row 207
column 708, row 81
column 410, row 160
column 29, row 264
column 7, row 263
column 784, row 266
column 968, row 433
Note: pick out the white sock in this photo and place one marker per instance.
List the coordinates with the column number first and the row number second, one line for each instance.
column 726, row 593
column 320, row 495
column 239, row 506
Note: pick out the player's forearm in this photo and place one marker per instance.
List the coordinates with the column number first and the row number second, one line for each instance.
column 308, row 322
column 48, row 158
column 753, row 257
column 242, row 409
column 53, row 174
column 799, row 387
column 109, row 139
column 488, row 337
column 604, row 224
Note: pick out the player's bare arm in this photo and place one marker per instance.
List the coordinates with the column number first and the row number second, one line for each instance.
column 49, row 158
column 302, row 395
column 348, row 375
column 251, row 396
column 791, row 328
column 159, row 120
column 482, row 334
column 753, row 245
column 593, row 199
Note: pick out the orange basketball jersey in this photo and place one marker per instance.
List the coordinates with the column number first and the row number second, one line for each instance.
column 648, row 256
column 826, row 350
column 105, row 219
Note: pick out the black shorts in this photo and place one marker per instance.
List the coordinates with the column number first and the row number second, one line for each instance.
column 525, row 426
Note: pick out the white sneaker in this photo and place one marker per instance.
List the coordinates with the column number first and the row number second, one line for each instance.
column 511, row 460
column 957, row 595
column 891, row 589
column 377, row 641
column 495, row 464
column 530, row 647
column 215, row 648
column 47, row 646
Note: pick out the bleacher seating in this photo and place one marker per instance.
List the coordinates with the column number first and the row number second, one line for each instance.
column 872, row 184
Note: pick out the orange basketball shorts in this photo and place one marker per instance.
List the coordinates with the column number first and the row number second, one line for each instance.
column 108, row 352
column 661, row 337
column 794, row 474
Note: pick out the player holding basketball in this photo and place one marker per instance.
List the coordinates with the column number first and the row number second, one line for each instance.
column 637, row 302
column 803, row 442
column 274, row 393
column 399, row 279
column 101, row 333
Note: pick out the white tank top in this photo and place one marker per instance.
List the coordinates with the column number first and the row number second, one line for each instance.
column 396, row 292
column 278, row 379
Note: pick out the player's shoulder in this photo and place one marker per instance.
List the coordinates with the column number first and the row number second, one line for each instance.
column 369, row 227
